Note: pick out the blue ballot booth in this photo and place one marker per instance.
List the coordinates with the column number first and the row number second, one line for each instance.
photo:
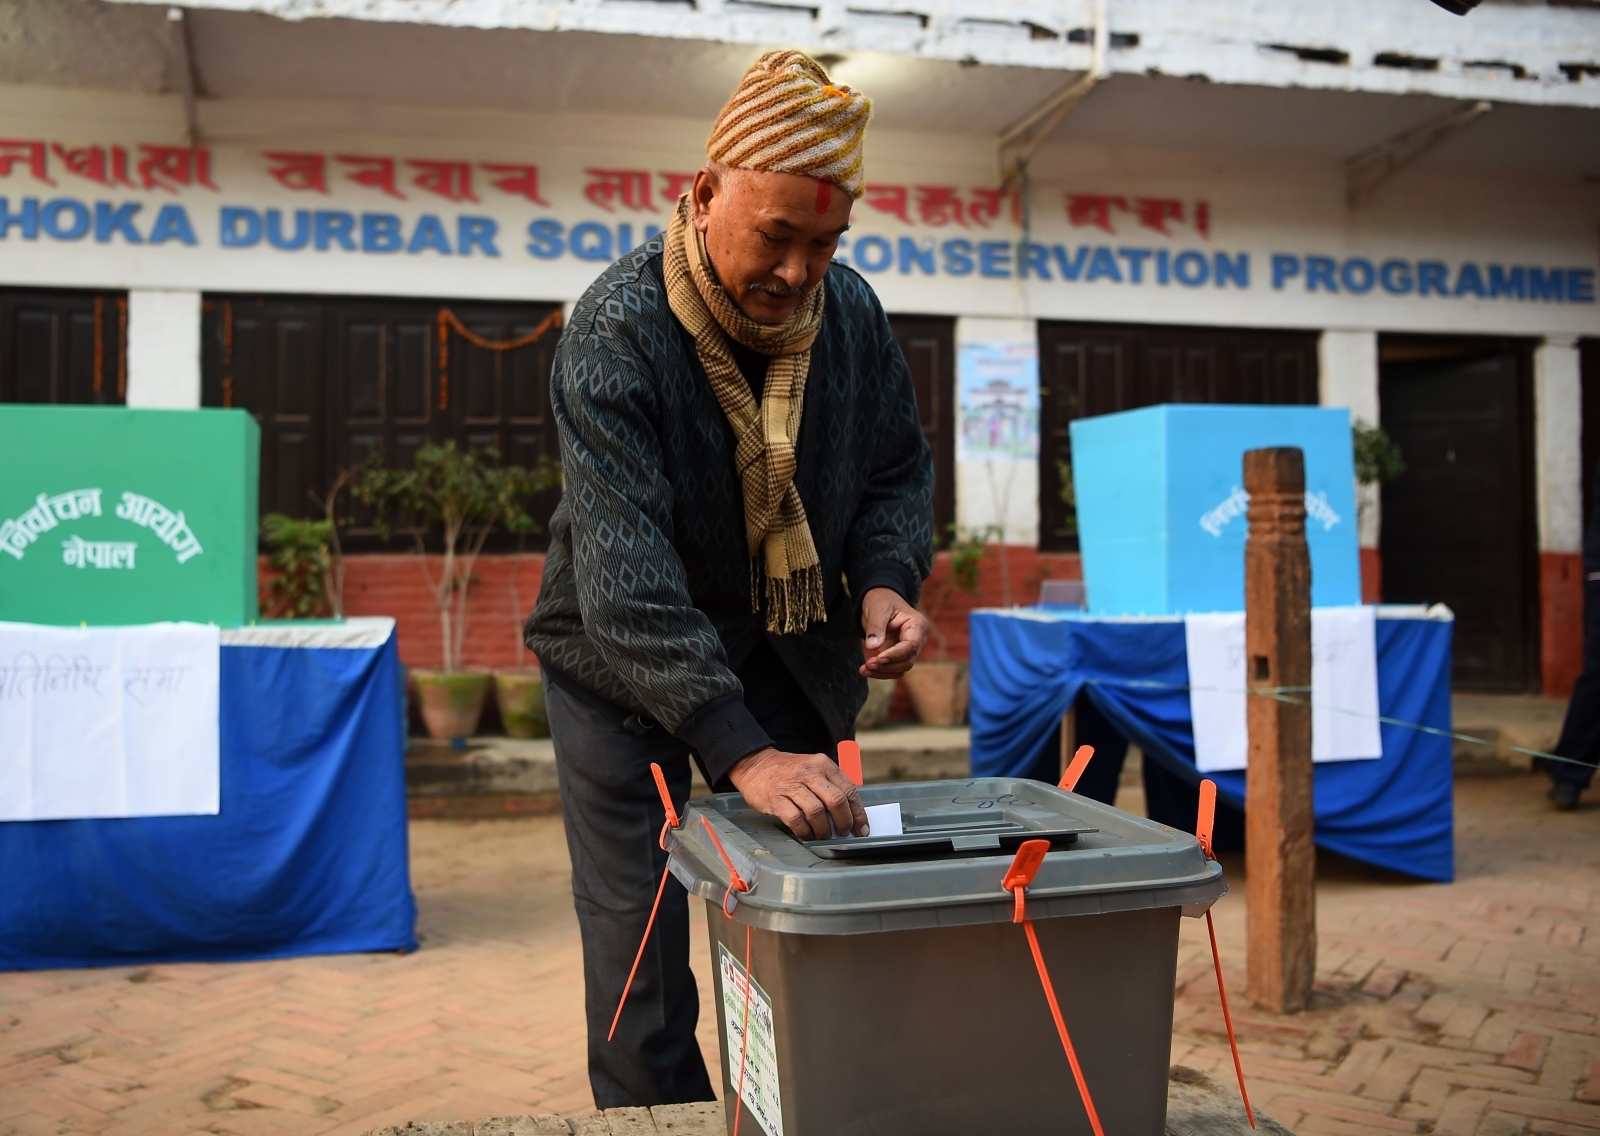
column 1162, row 506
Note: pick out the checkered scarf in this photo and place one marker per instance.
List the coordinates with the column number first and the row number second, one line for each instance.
column 775, row 524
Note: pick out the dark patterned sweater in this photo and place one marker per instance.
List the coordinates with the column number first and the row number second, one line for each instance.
column 645, row 600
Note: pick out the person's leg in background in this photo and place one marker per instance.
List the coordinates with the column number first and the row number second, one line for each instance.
column 1089, row 727
column 1580, row 731
column 613, row 817
column 1104, row 772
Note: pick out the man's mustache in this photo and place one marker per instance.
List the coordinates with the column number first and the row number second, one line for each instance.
column 781, row 291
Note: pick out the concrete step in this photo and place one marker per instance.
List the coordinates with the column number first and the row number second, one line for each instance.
column 495, row 776
column 1527, row 720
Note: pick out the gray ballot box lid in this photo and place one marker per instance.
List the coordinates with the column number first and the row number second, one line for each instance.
column 945, row 868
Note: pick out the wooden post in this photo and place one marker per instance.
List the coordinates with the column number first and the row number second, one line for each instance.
column 1069, row 737
column 1280, row 859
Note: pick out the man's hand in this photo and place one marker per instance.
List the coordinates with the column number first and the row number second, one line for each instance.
column 802, row 790
column 896, row 632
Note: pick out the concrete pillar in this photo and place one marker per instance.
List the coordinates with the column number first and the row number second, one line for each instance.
column 1348, row 370
column 1558, row 438
column 164, row 349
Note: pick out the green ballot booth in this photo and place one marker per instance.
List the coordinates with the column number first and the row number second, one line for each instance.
column 117, row 516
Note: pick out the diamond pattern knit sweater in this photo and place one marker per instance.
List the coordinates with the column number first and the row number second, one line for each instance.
column 645, row 601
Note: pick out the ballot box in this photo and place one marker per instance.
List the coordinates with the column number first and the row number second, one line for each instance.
column 117, row 516
column 1162, row 507
column 879, row 984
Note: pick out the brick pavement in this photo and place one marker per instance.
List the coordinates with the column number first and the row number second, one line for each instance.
column 485, row 1019
column 1459, row 1009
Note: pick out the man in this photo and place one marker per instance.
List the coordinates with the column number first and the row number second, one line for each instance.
column 1580, row 733
column 746, row 520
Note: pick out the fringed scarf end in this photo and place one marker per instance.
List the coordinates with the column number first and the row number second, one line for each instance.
column 793, row 604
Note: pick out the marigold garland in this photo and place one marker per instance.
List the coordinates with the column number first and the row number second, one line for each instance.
column 99, row 345
column 448, row 321
column 122, row 348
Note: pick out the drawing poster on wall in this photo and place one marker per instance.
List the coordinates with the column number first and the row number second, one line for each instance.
column 760, row 1053
column 998, row 400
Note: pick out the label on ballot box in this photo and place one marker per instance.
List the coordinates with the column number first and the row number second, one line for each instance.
column 1162, row 511
column 743, row 1001
column 118, row 516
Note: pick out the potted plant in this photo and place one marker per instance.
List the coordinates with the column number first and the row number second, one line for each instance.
column 938, row 686
column 305, row 559
column 463, row 495
column 298, row 557
column 874, row 711
column 519, row 692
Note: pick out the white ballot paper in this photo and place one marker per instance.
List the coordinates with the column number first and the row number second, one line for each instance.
column 884, row 820
column 1344, row 687
column 108, row 721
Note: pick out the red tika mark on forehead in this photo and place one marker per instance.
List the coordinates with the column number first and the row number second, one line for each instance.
column 824, row 196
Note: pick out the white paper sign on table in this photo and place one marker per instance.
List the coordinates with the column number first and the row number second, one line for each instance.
column 1344, row 687
column 108, row 721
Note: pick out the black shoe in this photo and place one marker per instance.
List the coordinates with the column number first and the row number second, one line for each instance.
column 1564, row 796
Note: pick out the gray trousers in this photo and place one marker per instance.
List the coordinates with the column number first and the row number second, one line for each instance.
column 613, row 818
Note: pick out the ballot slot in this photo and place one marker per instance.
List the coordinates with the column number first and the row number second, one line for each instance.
column 956, row 827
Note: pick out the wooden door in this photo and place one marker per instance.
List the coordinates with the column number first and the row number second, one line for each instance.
column 331, row 380
column 1458, row 524
column 928, row 344
column 63, row 347
column 1090, row 369
column 382, row 387
column 502, row 397
column 270, row 356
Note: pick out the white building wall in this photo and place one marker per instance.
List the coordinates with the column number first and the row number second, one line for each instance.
column 1222, row 41
column 1558, row 429
column 164, row 349
column 1258, row 209
column 1348, row 377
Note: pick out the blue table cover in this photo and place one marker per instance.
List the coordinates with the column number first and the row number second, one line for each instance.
column 1395, row 812
column 308, row 854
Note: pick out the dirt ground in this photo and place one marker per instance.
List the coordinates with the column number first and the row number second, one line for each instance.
column 1472, row 1007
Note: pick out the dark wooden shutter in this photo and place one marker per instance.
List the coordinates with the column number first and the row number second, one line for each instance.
column 63, row 347
column 503, row 397
column 330, row 380
column 269, row 356
column 1090, row 369
column 383, row 387
column 928, row 344
column 1458, row 524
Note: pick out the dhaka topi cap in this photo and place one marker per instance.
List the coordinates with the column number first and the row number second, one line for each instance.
column 786, row 117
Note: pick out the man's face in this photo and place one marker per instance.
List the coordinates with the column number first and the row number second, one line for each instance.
column 770, row 236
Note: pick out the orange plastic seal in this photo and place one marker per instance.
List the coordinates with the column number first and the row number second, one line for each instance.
column 850, row 762
column 1080, row 762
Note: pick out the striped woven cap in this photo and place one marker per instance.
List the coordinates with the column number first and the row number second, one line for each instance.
column 786, row 117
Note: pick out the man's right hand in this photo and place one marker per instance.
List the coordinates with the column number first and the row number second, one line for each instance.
column 802, row 790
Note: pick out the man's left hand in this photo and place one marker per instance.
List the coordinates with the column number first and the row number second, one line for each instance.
column 895, row 632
